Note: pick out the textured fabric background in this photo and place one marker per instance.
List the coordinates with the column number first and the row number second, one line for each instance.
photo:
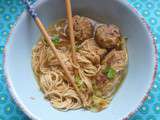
column 10, row 9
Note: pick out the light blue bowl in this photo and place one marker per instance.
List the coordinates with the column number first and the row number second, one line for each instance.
column 141, row 50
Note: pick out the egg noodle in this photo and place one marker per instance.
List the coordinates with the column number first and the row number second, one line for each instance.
column 90, row 75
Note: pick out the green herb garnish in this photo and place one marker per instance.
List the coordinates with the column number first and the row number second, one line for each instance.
column 56, row 40
column 78, row 81
column 77, row 78
column 110, row 73
column 80, row 84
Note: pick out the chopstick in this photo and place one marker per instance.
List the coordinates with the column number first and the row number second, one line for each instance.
column 71, row 32
column 52, row 46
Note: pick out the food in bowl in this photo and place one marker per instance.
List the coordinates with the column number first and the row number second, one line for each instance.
column 102, row 58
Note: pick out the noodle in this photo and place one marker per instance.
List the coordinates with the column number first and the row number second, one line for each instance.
column 53, row 82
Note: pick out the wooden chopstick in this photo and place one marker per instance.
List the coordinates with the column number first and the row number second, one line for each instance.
column 52, row 46
column 71, row 32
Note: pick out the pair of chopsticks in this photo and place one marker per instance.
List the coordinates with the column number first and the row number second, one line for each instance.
column 52, row 46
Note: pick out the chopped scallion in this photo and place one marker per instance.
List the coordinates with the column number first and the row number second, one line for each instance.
column 56, row 40
column 78, row 81
column 110, row 73
column 80, row 84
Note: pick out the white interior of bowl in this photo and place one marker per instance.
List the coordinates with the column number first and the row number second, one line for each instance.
column 25, row 34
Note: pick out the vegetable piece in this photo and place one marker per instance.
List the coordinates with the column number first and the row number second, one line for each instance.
column 78, row 80
column 110, row 73
column 80, row 84
column 56, row 40
column 98, row 104
column 93, row 109
column 98, row 93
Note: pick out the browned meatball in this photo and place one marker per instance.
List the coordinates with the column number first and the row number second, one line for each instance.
column 116, row 59
column 95, row 52
column 82, row 27
column 107, row 36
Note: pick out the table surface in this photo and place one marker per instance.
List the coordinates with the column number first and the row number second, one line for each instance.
column 11, row 9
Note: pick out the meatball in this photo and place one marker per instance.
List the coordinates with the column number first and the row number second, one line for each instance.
column 95, row 52
column 107, row 36
column 82, row 27
column 116, row 59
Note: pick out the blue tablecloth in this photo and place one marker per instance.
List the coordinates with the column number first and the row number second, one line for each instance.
column 10, row 9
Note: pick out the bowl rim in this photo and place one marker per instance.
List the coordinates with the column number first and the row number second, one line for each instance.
column 24, row 108
column 155, row 59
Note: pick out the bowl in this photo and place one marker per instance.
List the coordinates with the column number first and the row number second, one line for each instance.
column 141, row 49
